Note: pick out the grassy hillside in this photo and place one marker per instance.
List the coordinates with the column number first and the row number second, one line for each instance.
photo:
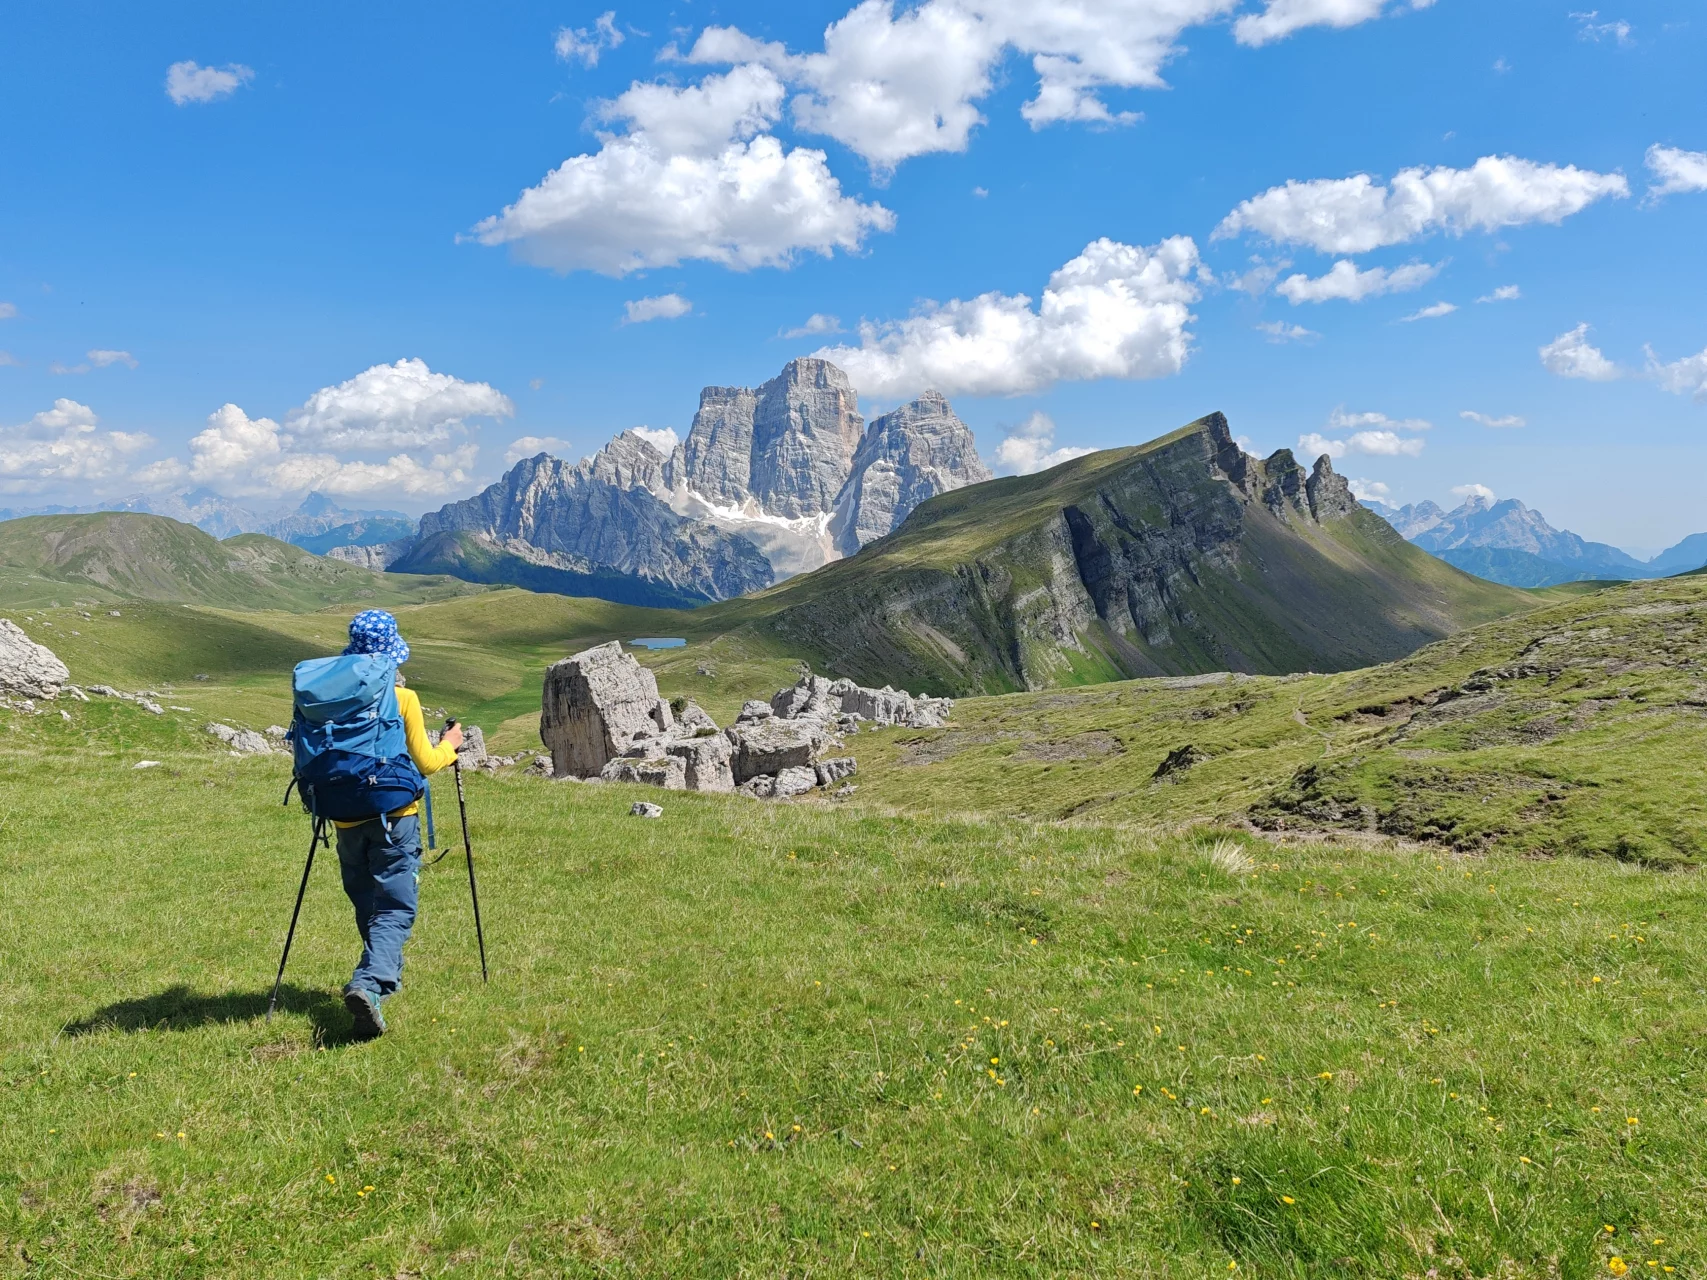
column 827, row 1039
column 114, row 556
column 1574, row 729
column 1138, row 561
column 464, row 556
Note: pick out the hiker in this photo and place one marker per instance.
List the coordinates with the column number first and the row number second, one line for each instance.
column 381, row 857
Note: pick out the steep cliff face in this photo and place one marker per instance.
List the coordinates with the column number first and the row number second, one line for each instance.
column 783, row 450
column 906, row 456
column 594, row 519
column 1184, row 555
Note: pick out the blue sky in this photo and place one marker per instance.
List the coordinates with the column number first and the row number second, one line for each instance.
column 224, row 226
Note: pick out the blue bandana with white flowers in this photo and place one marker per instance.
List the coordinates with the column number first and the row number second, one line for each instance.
column 375, row 631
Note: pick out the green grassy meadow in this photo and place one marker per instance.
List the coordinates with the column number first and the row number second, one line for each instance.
column 962, row 1024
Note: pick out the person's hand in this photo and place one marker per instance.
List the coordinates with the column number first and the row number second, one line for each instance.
column 452, row 737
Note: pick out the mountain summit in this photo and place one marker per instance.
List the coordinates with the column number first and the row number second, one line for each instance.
column 1180, row 556
column 1507, row 542
column 771, row 481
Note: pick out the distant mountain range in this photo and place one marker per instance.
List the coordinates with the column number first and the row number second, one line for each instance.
column 771, row 481
column 1508, row 542
column 317, row 524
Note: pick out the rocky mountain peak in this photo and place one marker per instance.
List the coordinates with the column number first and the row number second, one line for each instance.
column 784, row 449
column 906, row 456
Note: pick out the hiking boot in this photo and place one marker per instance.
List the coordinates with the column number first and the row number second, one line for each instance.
column 364, row 1008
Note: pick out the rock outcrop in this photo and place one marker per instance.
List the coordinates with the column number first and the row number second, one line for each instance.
column 243, row 742
column 27, row 669
column 595, row 705
column 602, row 718
column 907, row 456
column 378, row 557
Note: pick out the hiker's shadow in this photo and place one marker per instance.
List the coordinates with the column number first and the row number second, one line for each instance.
column 178, row 1008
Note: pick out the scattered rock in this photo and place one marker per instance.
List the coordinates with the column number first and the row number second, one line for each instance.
column 153, row 708
column 277, row 732
column 65, row 716
column 1179, row 760
column 795, row 782
column 753, row 709
column 762, row 787
column 146, row 764
column 667, row 772
column 770, row 746
column 815, row 697
column 693, row 718
column 28, row 669
column 77, row 693
column 844, row 791
column 472, row 753
column 644, row 809
column 706, row 762
column 201, row 677
column 834, row 770
column 105, row 690
column 243, row 742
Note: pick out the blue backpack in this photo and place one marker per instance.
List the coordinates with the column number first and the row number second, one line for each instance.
column 352, row 758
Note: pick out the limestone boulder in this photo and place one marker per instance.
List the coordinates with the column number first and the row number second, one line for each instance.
column 706, row 762
column 667, row 772
column 795, row 782
column 595, row 704
column 833, row 771
column 28, row 669
column 770, row 746
column 809, row 699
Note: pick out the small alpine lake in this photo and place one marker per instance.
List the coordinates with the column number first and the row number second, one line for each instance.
column 659, row 642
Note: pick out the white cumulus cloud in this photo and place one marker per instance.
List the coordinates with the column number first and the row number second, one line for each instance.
column 1675, row 171
column 1685, row 377
column 64, row 445
column 1478, row 491
column 1357, row 214
column 8, row 310
column 1370, row 434
column 694, row 177
column 1345, row 281
column 1505, row 293
column 1369, row 490
column 248, row 457
column 585, row 44
column 892, row 87
column 532, row 446
column 404, row 405
column 187, row 82
column 1279, row 331
column 666, row 306
column 1432, row 312
column 817, row 324
column 1280, row 18
column 1030, row 447
column 1115, row 311
column 102, row 359
column 1490, row 420
column 663, row 439
column 1571, row 355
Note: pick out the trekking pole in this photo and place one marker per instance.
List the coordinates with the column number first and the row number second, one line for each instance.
column 468, row 849
column 313, row 843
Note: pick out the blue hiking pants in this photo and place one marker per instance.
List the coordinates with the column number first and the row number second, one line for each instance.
column 382, row 876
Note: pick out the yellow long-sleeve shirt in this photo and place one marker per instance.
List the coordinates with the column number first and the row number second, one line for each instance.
column 429, row 759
